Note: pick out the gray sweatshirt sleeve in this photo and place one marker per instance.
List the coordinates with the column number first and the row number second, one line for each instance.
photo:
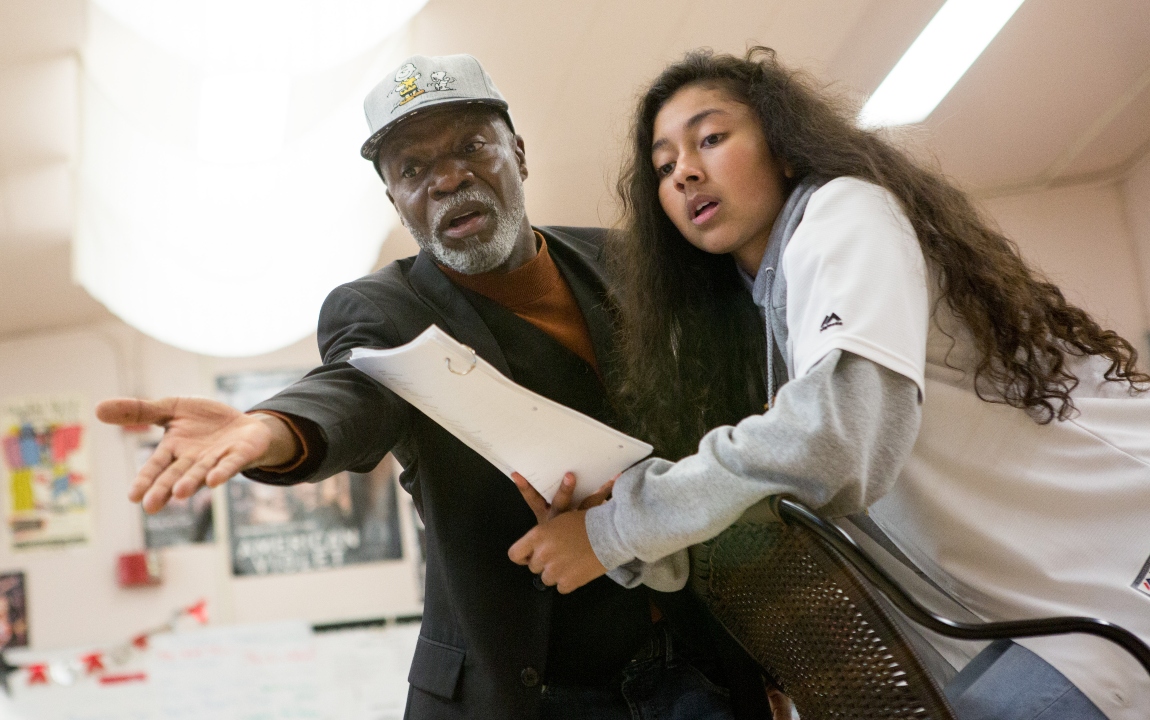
column 836, row 440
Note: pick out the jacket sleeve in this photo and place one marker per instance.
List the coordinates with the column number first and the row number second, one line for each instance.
column 358, row 420
column 836, row 440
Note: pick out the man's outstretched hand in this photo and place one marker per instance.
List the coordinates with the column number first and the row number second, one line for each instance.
column 205, row 443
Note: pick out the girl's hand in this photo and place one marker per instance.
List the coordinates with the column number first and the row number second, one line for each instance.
column 543, row 510
column 558, row 550
column 561, row 503
column 600, row 496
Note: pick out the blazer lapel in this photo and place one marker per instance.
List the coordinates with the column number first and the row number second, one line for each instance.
column 459, row 318
column 588, row 282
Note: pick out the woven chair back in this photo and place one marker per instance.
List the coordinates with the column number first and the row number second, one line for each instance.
column 813, row 624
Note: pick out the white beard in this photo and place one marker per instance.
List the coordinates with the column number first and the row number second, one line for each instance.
column 477, row 257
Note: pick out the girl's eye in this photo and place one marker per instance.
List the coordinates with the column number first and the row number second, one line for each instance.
column 664, row 170
column 712, row 139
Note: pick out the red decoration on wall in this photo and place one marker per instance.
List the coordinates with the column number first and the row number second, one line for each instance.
column 126, row 677
column 38, row 674
column 136, row 569
column 93, row 662
column 199, row 611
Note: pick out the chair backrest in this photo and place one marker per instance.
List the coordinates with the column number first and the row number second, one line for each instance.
column 814, row 624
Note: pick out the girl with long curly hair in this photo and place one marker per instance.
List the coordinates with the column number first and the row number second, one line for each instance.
column 805, row 309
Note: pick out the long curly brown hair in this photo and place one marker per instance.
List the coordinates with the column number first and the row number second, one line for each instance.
column 690, row 339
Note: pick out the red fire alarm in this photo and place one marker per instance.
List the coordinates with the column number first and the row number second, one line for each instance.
column 138, row 569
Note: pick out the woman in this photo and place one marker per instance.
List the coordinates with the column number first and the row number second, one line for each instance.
column 997, row 433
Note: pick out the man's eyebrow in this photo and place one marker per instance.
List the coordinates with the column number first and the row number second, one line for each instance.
column 692, row 122
column 400, row 154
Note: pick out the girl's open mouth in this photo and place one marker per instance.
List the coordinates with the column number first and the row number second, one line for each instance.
column 705, row 211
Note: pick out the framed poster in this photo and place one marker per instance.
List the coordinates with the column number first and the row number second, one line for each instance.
column 181, row 521
column 344, row 520
column 46, row 467
column 13, row 611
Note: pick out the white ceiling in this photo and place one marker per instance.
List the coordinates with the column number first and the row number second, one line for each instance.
column 1061, row 96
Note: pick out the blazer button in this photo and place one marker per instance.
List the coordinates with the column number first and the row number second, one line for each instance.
column 541, row 586
column 529, row 677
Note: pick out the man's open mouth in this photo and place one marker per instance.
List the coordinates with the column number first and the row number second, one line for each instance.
column 463, row 219
column 465, row 224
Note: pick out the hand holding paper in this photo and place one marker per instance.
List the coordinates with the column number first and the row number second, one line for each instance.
column 511, row 427
column 561, row 503
column 559, row 552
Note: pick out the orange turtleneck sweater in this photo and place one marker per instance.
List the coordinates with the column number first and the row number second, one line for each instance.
column 537, row 293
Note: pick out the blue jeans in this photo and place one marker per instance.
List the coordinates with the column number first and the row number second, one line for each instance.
column 661, row 683
column 1008, row 682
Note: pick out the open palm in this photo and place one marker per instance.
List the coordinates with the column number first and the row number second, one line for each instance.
column 205, row 443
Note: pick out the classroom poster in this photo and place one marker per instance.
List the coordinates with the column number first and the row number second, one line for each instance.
column 182, row 520
column 46, row 471
column 347, row 519
column 13, row 611
column 344, row 520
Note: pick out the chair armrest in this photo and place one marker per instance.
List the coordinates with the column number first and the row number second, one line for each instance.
column 791, row 511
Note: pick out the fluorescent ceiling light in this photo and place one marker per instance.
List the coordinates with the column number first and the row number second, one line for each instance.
column 942, row 53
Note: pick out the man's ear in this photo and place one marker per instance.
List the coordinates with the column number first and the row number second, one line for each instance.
column 521, row 155
column 391, row 200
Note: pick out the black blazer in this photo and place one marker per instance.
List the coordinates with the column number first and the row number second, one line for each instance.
column 492, row 633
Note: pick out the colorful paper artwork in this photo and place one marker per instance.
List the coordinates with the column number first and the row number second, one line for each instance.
column 46, row 463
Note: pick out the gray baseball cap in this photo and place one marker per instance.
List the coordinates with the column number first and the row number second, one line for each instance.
column 422, row 82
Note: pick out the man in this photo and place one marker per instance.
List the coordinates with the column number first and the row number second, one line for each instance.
column 496, row 641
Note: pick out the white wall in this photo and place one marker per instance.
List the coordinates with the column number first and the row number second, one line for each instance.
column 1135, row 190
column 73, row 598
column 1080, row 238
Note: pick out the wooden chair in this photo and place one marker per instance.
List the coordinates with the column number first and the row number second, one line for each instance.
column 803, row 600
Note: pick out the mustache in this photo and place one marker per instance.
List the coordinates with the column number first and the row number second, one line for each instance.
column 471, row 194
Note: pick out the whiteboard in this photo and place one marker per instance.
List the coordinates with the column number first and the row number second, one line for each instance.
column 274, row 671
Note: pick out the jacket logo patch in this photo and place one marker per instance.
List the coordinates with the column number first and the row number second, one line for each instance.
column 830, row 321
column 1142, row 584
